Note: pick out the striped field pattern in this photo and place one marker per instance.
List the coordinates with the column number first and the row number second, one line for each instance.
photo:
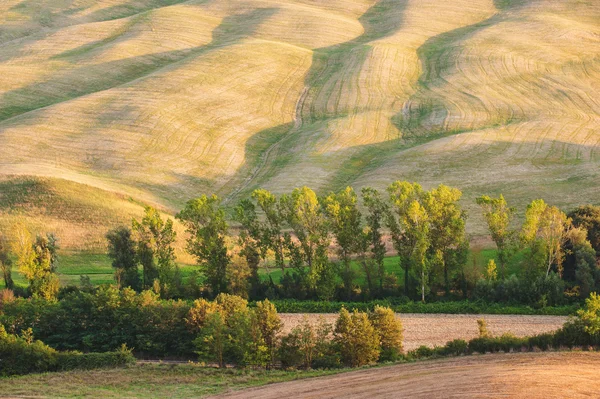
column 158, row 101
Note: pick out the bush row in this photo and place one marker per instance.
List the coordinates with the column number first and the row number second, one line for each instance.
column 455, row 307
column 572, row 335
column 24, row 355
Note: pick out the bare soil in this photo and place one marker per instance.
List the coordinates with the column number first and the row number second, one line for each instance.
column 437, row 329
column 519, row 375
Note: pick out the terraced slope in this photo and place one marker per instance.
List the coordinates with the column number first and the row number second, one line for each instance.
column 161, row 100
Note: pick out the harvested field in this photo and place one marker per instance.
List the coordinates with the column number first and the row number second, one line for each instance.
column 530, row 375
column 163, row 100
column 437, row 329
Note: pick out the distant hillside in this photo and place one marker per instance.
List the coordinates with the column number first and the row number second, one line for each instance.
column 158, row 101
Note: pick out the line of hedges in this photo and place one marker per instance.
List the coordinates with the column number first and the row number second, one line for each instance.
column 571, row 335
column 455, row 307
column 23, row 355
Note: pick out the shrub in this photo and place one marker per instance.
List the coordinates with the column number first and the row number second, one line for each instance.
column 506, row 343
column 455, row 347
column 290, row 352
column 23, row 355
column 542, row 341
column 590, row 314
column 356, row 339
column 90, row 361
column 483, row 329
column 422, row 352
column 389, row 329
column 270, row 325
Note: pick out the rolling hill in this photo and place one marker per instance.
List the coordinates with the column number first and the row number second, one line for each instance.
column 112, row 104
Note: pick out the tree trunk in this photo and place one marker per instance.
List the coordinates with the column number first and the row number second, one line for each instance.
column 423, row 285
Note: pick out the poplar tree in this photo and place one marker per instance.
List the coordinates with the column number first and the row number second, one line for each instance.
column 498, row 216
column 205, row 223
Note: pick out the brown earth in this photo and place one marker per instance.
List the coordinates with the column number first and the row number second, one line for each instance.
column 520, row 375
column 437, row 329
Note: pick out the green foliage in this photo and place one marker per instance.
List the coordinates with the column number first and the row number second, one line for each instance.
column 344, row 220
column 309, row 346
column 447, row 227
column 6, row 263
column 588, row 217
column 505, row 343
column 104, row 320
column 483, row 328
column 389, row 329
column 498, row 216
column 545, row 231
column 400, row 306
column 233, row 334
column 377, row 210
column 37, row 261
column 270, row 325
column 122, row 251
column 205, row 223
column 24, row 355
column 357, row 340
column 303, row 213
column 456, row 347
column 590, row 314
column 491, row 272
column 155, row 238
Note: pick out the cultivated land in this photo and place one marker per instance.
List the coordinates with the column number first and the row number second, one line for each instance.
column 523, row 375
column 158, row 101
column 437, row 329
column 531, row 375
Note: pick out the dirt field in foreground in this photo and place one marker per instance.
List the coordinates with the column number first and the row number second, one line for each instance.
column 437, row 329
column 522, row 375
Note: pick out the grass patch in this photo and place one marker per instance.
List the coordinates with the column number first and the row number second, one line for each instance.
column 146, row 381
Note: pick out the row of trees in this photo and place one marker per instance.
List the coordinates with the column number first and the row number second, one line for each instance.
column 333, row 246
column 229, row 332
column 36, row 259
column 316, row 242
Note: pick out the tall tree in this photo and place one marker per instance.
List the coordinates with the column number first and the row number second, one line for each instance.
column 417, row 230
column 6, row 263
column 546, row 230
column 37, row 261
column 121, row 249
column 271, row 229
column 345, row 221
column 447, row 227
column 155, row 238
column 402, row 196
column 249, row 240
column 588, row 217
column 498, row 216
column 205, row 222
column 377, row 210
column 304, row 215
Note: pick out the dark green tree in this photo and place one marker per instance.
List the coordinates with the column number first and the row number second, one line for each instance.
column 498, row 216
column 405, row 223
column 121, row 249
column 310, row 241
column 588, row 217
column 155, row 238
column 270, row 229
column 205, row 222
column 446, row 228
column 249, row 240
column 377, row 210
column 345, row 222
